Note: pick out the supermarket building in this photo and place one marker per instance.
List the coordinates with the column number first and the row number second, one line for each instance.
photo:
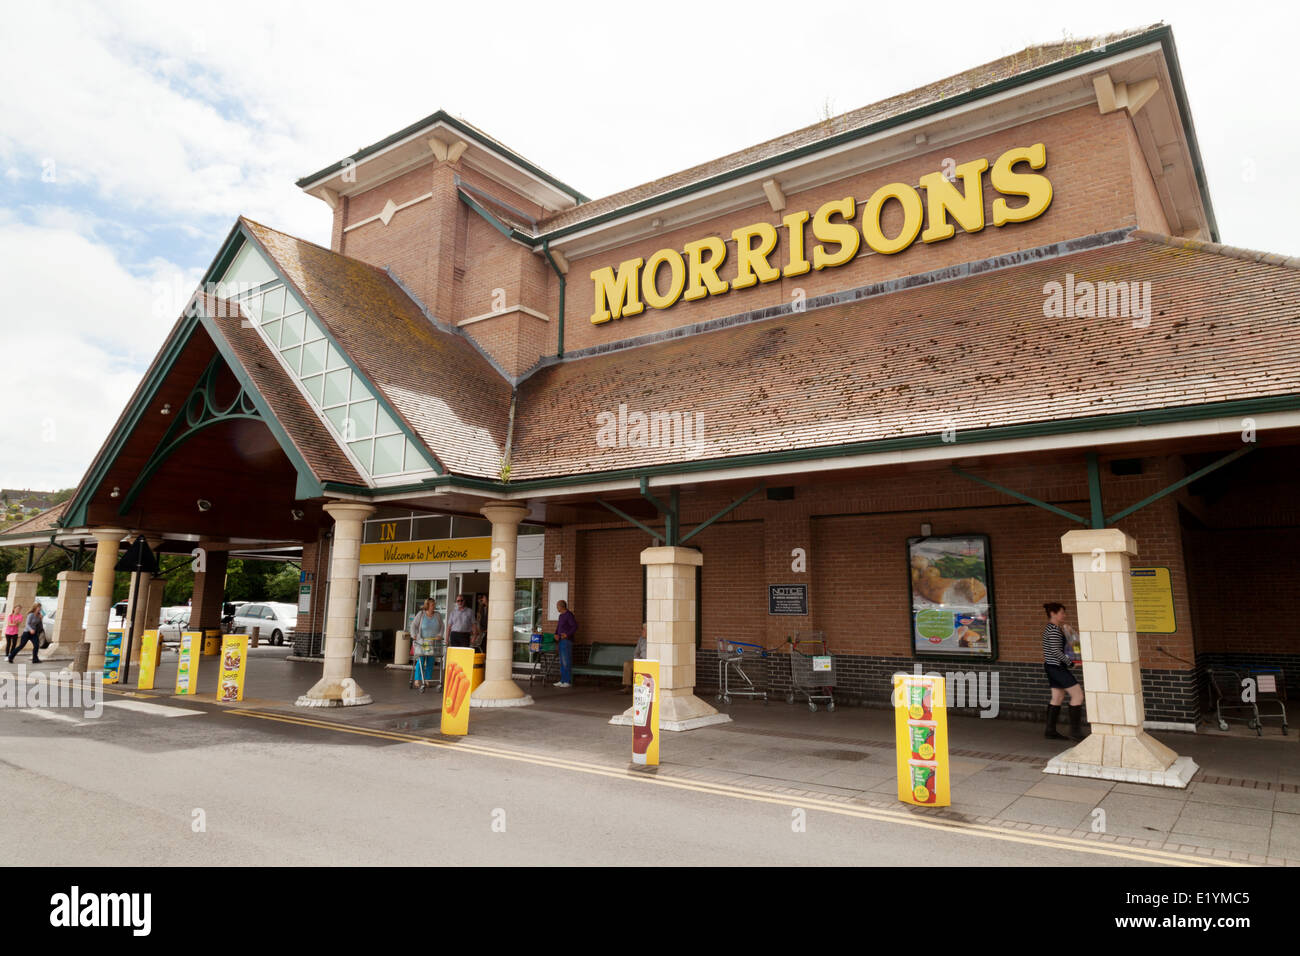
column 899, row 377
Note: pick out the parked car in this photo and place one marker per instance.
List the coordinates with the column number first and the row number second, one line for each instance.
column 277, row 621
column 173, row 625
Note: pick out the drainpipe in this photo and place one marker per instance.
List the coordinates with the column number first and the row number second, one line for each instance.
column 559, row 346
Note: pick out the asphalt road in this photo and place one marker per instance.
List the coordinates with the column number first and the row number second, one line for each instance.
column 162, row 783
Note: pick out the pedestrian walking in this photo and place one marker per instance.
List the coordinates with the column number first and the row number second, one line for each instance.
column 460, row 624
column 564, row 632
column 426, row 628
column 33, row 627
column 481, row 622
column 12, row 625
column 1057, row 662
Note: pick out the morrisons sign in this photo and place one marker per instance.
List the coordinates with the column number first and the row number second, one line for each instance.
column 669, row 276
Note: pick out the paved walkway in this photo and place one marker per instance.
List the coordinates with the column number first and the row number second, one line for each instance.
column 1244, row 804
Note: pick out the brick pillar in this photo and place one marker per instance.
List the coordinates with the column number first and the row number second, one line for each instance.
column 1118, row 748
column 22, row 591
column 209, row 592
column 336, row 687
column 107, row 543
column 671, row 607
column 498, row 688
column 68, row 631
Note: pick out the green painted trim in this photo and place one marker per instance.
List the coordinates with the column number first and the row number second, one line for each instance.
column 508, row 231
column 1020, row 496
column 1097, row 515
column 307, row 480
column 425, row 452
column 1162, row 34
column 1187, row 480
column 464, row 129
column 75, row 515
column 559, row 345
column 628, row 518
column 725, row 511
column 226, row 253
column 1177, row 414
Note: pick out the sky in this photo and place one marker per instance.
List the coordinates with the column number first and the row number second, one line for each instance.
column 133, row 134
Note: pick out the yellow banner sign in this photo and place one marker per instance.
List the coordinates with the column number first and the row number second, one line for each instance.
column 693, row 273
column 1153, row 601
column 234, row 660
column 113, row 655
column 441, row 549
column 645, row 713
column 187, row 668
column 150, row 652
column 456, row 688
column 921, row 739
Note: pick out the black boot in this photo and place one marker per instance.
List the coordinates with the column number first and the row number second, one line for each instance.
column 1076, row 722
column 1053, row 711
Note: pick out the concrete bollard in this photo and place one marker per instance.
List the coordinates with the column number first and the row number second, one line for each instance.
column 81, row 658
column 402, row 654
column 257, row 634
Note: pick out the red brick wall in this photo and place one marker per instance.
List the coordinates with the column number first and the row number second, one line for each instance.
column 1243, row 583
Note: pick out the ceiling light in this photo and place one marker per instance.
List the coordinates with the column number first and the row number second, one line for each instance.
column 204, row 504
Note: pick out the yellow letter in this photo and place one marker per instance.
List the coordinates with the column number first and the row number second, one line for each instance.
column 616, row 296
column 676, row 278
column 797, row 265
column 751, row 264
column 838, row 232
column 941, row 198
column 1036, row 189
column 703, row 278
column 910, row 200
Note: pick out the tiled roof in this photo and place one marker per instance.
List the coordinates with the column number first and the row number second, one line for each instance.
column 973, row 353
column 47, row 520
column 436, row 379
column 1028, row 59
column 307, row 432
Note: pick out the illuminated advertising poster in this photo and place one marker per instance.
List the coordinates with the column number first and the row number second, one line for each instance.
column 113, row 655
column 952, row 596
column 150, row 651
column 645, row 713
column 921, row 739
column 456, row 690
column 187, row 668
column 234, row 659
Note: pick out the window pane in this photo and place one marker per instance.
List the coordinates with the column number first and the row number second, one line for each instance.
column 388, row 455
column 363, row 418
column 414, row 460
column 292, row 357
column 338, row 418
column 249, row 267
column 312, row 331
column 313, row 358
column 273, row 304
column 470, row 527
column 272, row 330
column 292, row 334
column 335, row 359
column 336, row 386
column 434, row 526
column 362, row 450
column 253, row 306
column 314, row 386
column 384, row 424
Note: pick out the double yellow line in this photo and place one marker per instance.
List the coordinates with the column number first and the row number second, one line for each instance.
column 901, row 818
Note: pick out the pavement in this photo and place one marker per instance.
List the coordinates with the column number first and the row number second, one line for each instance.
column 1243, row 805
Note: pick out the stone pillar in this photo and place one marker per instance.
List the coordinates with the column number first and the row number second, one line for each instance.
column 68, row 631
column 209, row 591
column 107, row 543
column 336, row 687
column 1118, row 748
column 670, row 638
column 22, row 591
column 148, row 591
column 498, row 688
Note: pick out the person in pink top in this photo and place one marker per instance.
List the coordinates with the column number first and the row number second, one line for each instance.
column 12, row 623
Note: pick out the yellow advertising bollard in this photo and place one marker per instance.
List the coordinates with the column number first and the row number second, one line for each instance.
column 921, row 737
column 187, row 667
column 113, row 655
column 645, row 713
column 234, row 660
column 455, row 690
column 150, row 651
column 212, row 642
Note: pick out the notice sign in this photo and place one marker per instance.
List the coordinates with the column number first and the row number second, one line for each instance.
column 787, row 599
column 1153, row 600
column 187, row 668
column 113, row 655
column 150, row 652
column 304, row 598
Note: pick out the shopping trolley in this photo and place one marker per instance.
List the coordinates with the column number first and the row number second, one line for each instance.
column 812, row 670
column 429, row 668
column 1229, row 696
column 732, row 657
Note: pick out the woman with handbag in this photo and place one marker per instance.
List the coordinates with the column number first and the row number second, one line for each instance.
column 34, row 627
column 1057, row 661
column 13, row 622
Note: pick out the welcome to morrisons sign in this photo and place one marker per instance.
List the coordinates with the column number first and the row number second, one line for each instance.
column 693, row 273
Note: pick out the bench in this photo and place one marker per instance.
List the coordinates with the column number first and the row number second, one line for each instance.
column 606, row 660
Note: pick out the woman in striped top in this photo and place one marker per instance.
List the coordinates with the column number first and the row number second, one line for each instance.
column 1057, row 662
